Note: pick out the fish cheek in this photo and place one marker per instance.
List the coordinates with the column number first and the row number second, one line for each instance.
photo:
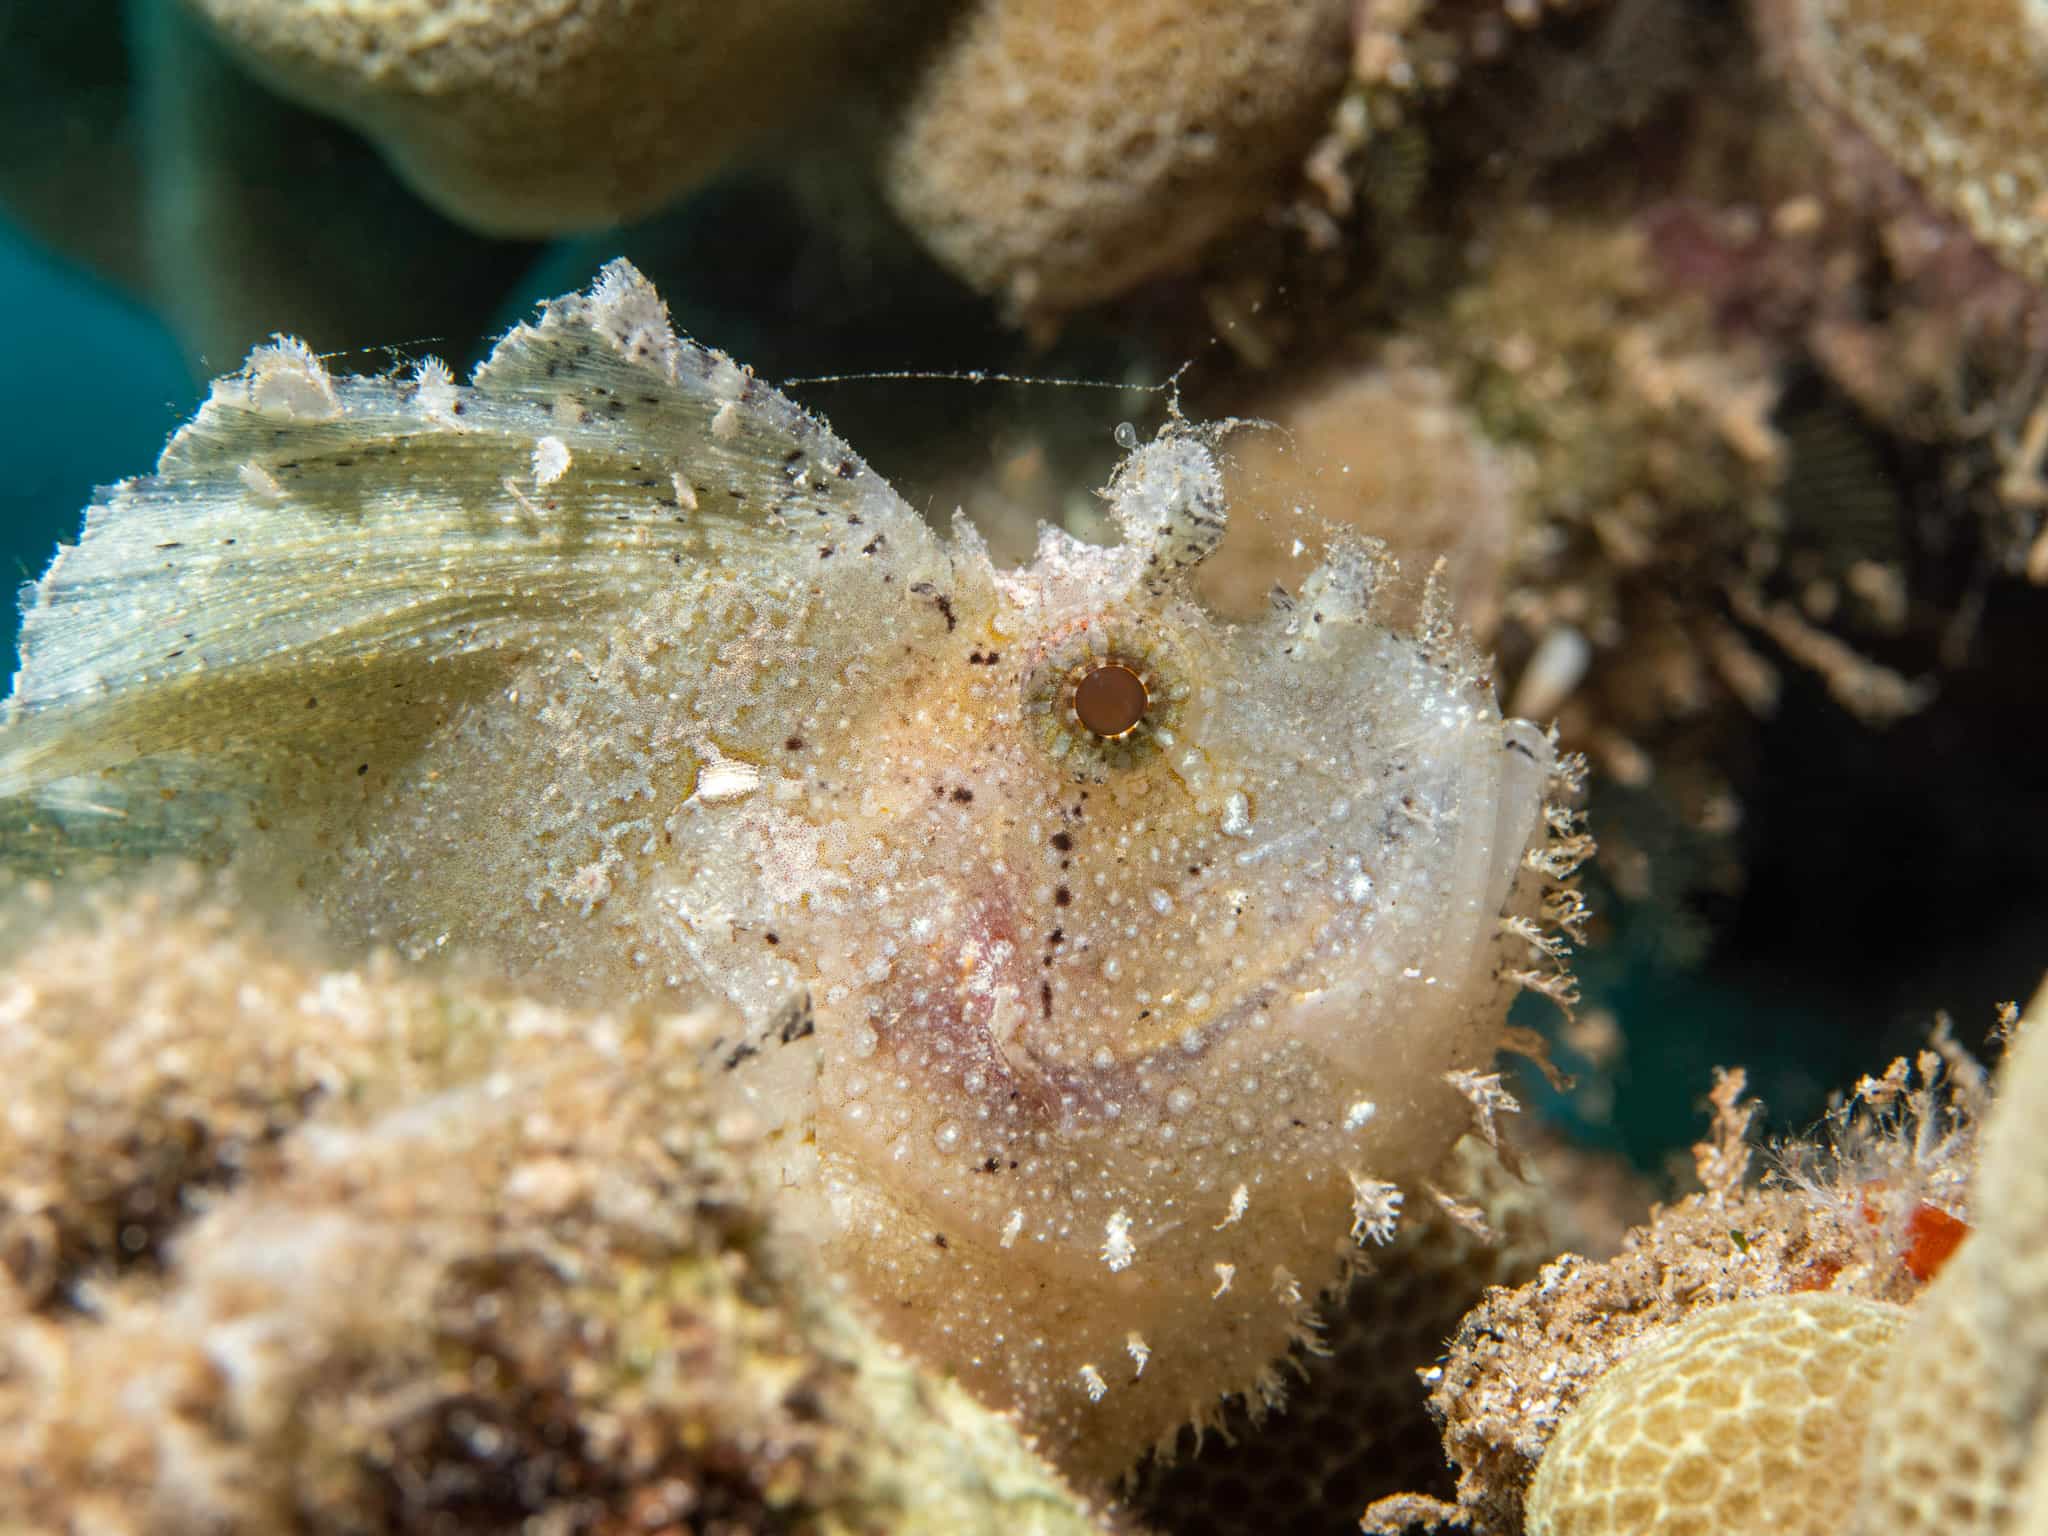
column 945, row 1035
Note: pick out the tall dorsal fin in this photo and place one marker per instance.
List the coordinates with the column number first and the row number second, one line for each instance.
column 323, row 564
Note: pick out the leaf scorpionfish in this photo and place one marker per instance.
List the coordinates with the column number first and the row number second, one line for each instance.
column 1106, row 968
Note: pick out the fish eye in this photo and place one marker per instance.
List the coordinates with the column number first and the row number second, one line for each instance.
column 1109, row 698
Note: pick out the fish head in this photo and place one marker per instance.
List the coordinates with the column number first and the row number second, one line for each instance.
column 1128, row 842
column 1163, row 937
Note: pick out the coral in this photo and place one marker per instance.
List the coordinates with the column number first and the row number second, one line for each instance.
column 127, row 1118
column 1651, row 463
column 642, row 689
column 1949, row 97
column 1654, row 594
column 1385, row 449
column 1058, row 151
column 67, row 122
column 224, row 207
column 447, row 1259
column 251, row 208
column 1839, row 1221
column 1646, row 469
column 533, row 116
column 1748, row 1416
column 2032, row 1517
column 1931, row 312
column 1965, row 1401
column 1410, row 60
column 1053, row 159
column 1115, row 971
column 1781, row 1393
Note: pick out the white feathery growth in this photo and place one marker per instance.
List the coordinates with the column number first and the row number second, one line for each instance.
column 434, row 388
column 1272, row 1389
column 1285, row 1286
column 1240, row 1202
column 1464, row 1213
column 1375, row 1209
column 1140, row 1351
column 1488, row 1097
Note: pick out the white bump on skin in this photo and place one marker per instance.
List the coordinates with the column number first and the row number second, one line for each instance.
column 1237, row 816
column 723, row 780
column 550, row 461
column 1117, row 1248
column 259, row 481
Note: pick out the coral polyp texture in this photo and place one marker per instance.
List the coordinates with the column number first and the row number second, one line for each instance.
column 1948, row 97
column 1109, row 973
column 1865, row 1213
column 1057, row 151
column 291, row 1245
column 535, row 116
column 1855, row 1351
column 1747, row 1417
column 1050, row 152
column 1964, row 1409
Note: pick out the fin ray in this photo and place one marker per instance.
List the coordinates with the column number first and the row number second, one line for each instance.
column 388, row 546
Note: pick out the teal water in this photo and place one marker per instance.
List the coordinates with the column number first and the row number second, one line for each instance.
column 91, row 386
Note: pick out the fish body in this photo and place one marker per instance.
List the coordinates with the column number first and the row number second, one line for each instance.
column 1108, row 970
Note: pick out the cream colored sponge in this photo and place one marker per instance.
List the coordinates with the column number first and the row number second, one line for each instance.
column 1059, row 151
column 529, row 117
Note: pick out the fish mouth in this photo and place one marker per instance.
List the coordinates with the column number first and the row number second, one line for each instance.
column 1002, row 1036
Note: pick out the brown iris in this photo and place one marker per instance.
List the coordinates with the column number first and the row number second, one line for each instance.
column 1110, row 699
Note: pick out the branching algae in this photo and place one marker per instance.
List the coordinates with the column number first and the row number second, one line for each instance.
column 1108, row 972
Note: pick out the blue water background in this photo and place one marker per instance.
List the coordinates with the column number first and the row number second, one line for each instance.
column 91, row 386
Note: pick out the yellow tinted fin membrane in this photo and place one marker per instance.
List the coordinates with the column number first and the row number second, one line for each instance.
column 322, row 568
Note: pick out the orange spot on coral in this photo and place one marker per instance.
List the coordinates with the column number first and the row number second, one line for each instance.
column 1931, row 1234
